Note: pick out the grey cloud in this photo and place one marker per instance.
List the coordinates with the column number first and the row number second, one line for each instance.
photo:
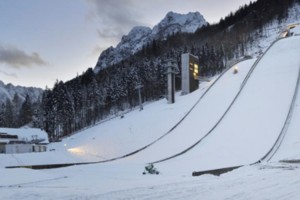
column 108, row 33
column 112, row 35
column 96, row 51
column 116, row 11
column 17, row 58
column 14, row 75
column 115, row 17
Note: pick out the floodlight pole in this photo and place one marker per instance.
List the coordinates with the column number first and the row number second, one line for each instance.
column 171, row 82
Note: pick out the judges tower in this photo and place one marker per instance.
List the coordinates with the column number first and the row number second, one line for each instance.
column 189, row 73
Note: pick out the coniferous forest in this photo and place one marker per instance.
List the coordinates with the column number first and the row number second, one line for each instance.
column 90, row 97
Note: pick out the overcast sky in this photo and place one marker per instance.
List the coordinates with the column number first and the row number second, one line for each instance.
column 45, row 40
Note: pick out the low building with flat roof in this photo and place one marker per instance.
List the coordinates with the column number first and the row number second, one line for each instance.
column 22, row 140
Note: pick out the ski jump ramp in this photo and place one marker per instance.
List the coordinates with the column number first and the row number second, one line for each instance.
column 254, row 122
column 243, row 113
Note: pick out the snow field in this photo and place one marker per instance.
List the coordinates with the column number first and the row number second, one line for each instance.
column 114, row 138
column 245, row 134
column 272, row 181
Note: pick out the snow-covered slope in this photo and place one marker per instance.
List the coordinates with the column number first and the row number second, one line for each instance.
column 271, row 31
column 254, row 122
column 291, row 139
column 140, row 36
column 7, row 92
column 245, row 133
column 111, row 139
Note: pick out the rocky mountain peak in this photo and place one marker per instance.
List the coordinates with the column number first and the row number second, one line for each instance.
column 141, row 35
column 136, row 33
column 135, row 39
column 175, row 22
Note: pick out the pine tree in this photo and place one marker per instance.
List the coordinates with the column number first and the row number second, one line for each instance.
column 8, row 115
column 2, row 115
column 25, row 112
column 17, row 104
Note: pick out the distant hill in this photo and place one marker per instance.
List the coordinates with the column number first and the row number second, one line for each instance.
column 20, row 106
column 8, row 91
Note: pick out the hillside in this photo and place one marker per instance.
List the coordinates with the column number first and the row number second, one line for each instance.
column 120, row 136
column 19, row 106
column 245, row 118
column 93, row 97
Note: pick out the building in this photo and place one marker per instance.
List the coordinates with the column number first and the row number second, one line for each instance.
column 6, row 139
column 23, row 140
column 189, row 73
column 19, row 147
column 2, row 147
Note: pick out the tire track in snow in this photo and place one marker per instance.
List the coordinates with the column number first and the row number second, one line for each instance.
column 32, row 182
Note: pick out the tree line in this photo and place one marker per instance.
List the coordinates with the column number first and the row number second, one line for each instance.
column 19, row 112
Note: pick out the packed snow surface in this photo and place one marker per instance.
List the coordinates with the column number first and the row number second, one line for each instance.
column 255, row 120
column 245, row 134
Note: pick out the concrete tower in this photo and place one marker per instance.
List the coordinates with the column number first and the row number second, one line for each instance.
column 189, row 73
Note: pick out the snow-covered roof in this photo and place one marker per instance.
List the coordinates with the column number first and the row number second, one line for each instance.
column 26, row 134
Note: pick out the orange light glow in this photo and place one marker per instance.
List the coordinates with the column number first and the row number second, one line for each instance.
column 76, row 150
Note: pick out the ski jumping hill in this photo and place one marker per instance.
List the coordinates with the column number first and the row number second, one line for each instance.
column 235, row 122
column 253, row 124
column 237, row 119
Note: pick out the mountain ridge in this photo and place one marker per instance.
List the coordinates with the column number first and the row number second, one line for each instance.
column 8, row 91
column 139, row 36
